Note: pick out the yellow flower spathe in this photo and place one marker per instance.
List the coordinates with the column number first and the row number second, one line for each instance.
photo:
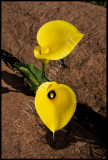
column 56, row 40
column 55, row 104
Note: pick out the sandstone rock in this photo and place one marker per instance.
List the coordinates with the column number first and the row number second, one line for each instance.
column 86, row 75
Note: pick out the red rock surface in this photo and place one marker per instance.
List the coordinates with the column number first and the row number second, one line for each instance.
column 23, row 133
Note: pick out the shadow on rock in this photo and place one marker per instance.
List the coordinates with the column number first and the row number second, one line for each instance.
column 16, row 83
column 7, row 90
column 92, row 121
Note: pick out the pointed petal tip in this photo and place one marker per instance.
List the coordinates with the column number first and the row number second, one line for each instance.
column 86, row 33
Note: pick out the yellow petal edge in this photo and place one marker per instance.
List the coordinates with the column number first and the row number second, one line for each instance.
column 56, row 40
column 57, row 112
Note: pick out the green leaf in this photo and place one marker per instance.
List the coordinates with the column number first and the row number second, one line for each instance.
column 34, row 75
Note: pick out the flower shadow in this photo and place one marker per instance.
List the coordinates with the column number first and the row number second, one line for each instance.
column 84, row 126
column 63, row 138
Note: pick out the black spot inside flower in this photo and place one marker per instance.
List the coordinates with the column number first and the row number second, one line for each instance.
column 51, row 94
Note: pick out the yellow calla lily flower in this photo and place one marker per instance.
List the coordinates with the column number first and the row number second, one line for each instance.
column 56, row 40
column 55, row 104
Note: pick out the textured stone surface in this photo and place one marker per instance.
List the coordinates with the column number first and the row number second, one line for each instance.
column 22, row 134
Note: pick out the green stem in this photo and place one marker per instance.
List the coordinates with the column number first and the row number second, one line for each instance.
column 44, row 67
column 44, row 73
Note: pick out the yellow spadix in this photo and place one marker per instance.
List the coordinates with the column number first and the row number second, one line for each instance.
column 56, row 40
column 55, row 104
